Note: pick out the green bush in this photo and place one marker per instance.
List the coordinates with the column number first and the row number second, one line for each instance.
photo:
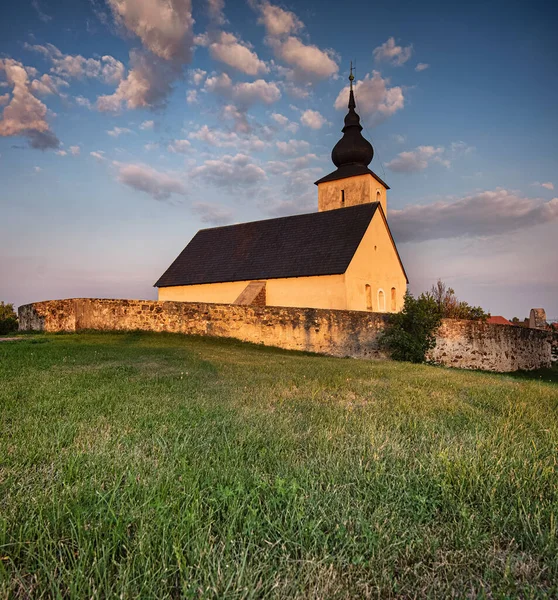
column 8, row 318
column 411, row 333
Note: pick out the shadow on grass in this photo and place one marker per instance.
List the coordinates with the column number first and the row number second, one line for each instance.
column 547, row 375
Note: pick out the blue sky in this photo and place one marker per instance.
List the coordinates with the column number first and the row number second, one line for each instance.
column 129, row 125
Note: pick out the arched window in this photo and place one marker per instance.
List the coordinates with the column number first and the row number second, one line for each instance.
column 368, row 290
column 378, row 196
column 393, row 300
column 381, row 301
column 342, row 197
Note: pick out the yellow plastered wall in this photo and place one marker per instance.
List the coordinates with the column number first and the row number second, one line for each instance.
column 375, row 264
column 326, row 291
column 359, row 189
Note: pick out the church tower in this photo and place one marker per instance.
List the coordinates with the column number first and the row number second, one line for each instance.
column 352, row 182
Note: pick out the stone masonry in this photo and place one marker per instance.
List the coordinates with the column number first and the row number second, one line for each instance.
column 463, row 344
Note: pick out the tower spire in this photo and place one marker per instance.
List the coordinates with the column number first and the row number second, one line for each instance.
column 352, row 148
column 352, row 104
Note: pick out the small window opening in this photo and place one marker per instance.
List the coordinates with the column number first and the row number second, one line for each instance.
column 378, row 196
column 368, row 290
column 393, row 300
column 342, row 197
column 381, row 301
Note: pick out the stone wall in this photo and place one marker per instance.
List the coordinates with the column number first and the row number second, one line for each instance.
column 490, row 347
column 464, row 344
column 334, row 332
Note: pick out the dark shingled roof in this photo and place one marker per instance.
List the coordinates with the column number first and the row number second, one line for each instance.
column 322, row 243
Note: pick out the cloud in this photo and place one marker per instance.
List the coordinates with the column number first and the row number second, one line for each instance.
column 147, row 84
column 415, row 160
column 461, row 148
column 228, row 49
column 42, row 16
column 144, row 178
column 228, row 139
column 215, row 10
column 291, row 200
column 98, row 155
column 548, row 185
column 4, row 99
column 165, row 27
column 260, row 90
column 147, row 125
column 61, row 152
column 118, row 131
column 75, row 150
column 391, row 53
column 284, row 122
column 197, row 76
column 107, row 68
column 192, row 97
column 83, row 102
column 375, row 100
column 245, row 94
column 482, row 214
column 47, row 85
column 422, row 67
column 308, row 62
column 295, row 91
column 280, row 207
column 24, row 115
column 290, row 165
column 230, row 172
column 179, row 146
column 37, row 169
column 292, row 147
column 212, row 213
column 277, row 21
column 423, row 156
column 312, row 119
column 239, row 116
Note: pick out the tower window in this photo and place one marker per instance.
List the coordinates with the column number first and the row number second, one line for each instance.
column 342, row 197
column 368, row 291
column 378, row 196
column 393, row 300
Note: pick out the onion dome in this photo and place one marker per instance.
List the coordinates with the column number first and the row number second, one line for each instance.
column 352, row 148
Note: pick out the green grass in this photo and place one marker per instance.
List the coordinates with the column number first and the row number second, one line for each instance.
column 160, row 466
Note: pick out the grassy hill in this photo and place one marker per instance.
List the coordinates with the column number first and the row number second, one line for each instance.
column 160, row 466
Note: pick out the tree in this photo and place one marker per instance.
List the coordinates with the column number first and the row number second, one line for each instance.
column 449, row 305
column 411, row 333
column 8, row 318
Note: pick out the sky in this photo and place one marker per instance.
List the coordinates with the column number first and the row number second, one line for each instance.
column 127, row 125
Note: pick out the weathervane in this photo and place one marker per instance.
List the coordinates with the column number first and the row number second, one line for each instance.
column 351, row 76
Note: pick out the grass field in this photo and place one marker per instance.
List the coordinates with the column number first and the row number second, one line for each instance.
column 160, row 466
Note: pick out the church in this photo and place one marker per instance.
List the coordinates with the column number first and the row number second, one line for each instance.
column 341, row 257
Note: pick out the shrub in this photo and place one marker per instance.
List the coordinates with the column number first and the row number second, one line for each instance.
column 411, row 333
column 8, row 318
column 449, row 305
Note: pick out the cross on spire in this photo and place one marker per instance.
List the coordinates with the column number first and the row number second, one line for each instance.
column 351, row 76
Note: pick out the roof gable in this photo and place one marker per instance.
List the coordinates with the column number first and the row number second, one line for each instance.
column 321, row 243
